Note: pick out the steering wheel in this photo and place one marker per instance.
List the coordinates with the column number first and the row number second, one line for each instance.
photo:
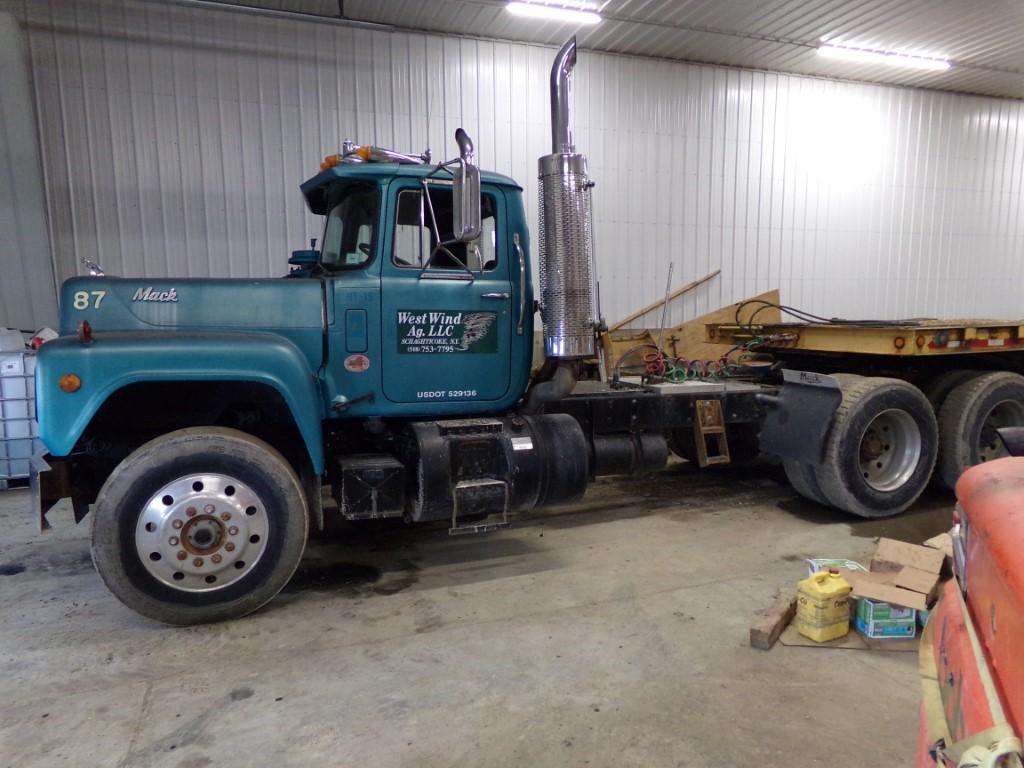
column 365, row 248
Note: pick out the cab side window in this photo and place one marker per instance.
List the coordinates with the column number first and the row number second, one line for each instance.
column 417, row 239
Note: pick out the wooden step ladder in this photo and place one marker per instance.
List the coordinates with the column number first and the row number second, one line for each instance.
column 709, row 433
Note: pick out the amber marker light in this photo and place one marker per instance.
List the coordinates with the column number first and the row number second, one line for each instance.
column 70, row 382
column 330, row 161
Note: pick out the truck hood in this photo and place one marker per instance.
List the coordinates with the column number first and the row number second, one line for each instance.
column 124, row 304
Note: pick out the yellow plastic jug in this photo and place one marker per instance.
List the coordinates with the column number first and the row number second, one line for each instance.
column 823, row 606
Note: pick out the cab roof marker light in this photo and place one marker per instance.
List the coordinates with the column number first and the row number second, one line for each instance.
column 570, row 11
column 867, row 56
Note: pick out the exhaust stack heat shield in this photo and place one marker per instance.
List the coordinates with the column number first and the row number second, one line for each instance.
column 567, row 276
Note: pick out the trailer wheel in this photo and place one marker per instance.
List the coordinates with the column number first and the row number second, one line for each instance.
column 969, row 418
column 199, row 525
column 881, row 448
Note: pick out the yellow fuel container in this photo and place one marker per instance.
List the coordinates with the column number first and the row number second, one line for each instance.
column 823, row 606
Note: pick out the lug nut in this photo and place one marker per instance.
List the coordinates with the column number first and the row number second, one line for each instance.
column 233, row 530
column 198, row 562
column 176, row 524
column 225, row 516
column 209, row 509
column 191, row 511
column 182, row 554
column 230, row 547
column 216, row 558
column 173, row 541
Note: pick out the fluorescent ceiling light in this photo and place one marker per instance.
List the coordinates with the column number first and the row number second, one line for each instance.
column 574, row 12
column 865, row 56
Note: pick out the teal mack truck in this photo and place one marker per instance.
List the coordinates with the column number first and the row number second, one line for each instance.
column 199, row 420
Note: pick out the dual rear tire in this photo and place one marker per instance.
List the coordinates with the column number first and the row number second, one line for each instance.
column 879, row 452
column 968, row 418
column 887, row 437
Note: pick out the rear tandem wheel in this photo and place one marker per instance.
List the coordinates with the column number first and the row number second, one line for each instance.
column 881, row 448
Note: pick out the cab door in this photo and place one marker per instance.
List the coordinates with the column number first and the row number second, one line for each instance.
column 446, row 319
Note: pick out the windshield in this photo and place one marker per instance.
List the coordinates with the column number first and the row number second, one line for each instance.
column 348, row 236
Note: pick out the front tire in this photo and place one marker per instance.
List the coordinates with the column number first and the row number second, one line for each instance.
column 199, row 525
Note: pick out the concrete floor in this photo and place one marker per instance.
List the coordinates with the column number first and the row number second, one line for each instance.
column 613, row 633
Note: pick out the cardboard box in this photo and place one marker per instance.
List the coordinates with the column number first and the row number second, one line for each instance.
column 881, row 587
column 893, row 555
column 876, row 619
column 917, row 580
column 944, row 543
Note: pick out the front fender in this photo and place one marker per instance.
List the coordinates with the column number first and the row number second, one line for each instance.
column 115, row 360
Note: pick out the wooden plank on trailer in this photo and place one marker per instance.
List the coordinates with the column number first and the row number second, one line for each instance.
column 657, row 304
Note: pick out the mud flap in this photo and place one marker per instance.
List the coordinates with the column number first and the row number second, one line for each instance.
column 798, row 418
column 37, row 468
column 49, row 481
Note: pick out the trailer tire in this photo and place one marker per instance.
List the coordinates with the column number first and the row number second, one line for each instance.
column 804, row 480
column 969, row 417
column 199, row 525
column 881, row 448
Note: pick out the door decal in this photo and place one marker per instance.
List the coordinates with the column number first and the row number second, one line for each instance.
column 438, row 332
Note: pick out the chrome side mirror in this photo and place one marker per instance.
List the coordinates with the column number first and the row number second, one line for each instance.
column 467, row 222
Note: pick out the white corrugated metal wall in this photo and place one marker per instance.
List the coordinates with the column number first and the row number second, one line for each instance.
column 27, row 299
column 174, row 140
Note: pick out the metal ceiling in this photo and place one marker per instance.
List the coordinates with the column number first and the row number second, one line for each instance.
column 982, row 38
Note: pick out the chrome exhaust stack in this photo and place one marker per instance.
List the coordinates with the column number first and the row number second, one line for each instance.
column 567, row 276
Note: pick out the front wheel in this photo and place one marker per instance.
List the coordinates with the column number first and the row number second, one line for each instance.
column 199, row 525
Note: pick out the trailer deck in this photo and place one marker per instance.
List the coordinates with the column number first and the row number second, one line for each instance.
column 902, row 339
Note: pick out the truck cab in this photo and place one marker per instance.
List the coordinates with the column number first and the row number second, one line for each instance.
column 417, row 307
column 396, row 304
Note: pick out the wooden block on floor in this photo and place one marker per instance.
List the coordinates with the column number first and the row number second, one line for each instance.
column 772, row 621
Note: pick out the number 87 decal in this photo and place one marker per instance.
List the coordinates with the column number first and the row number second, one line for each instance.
column 85, row 299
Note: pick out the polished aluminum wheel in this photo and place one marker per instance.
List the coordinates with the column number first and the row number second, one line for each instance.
column 890, row 450
column 202, row 532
